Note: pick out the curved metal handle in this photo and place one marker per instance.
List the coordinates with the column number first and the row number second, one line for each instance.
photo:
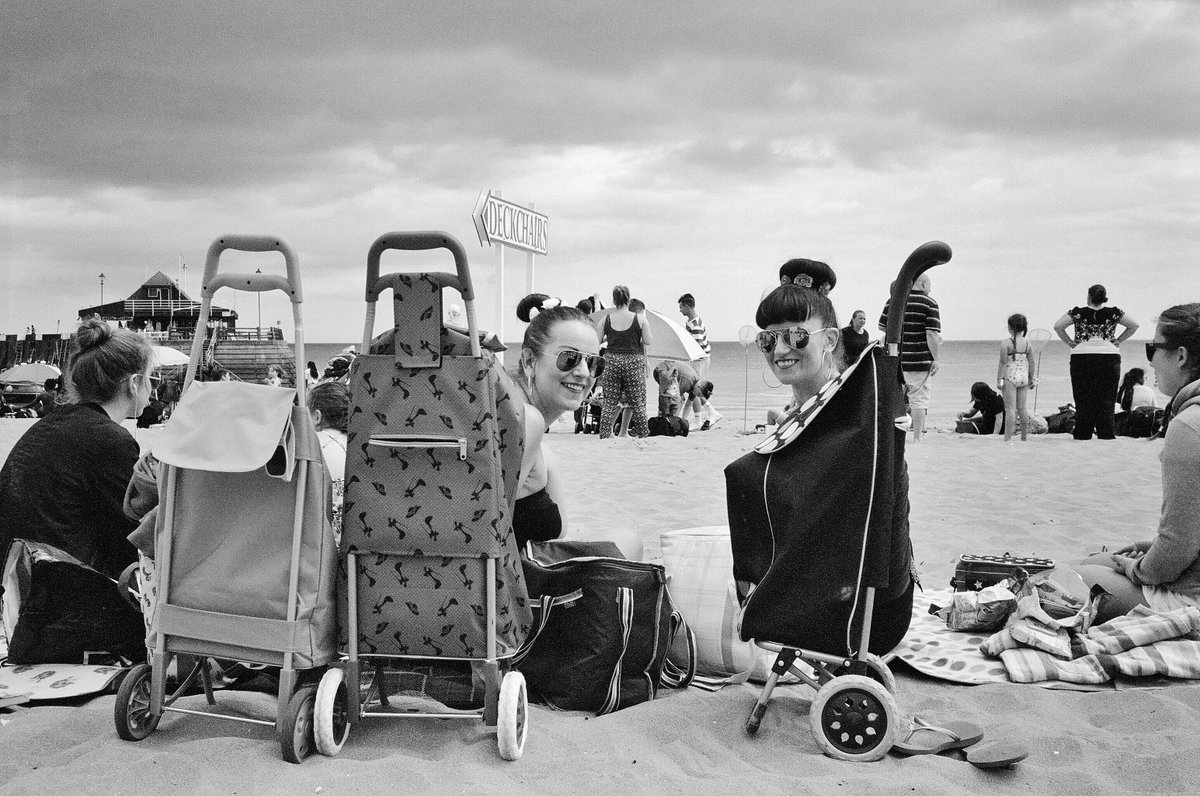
column 256, row 283
column 924, row 257
column 418, row 241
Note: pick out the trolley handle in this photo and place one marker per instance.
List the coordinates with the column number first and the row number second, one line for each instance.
column 924, row 257
column 418, row 241
column 254, row 283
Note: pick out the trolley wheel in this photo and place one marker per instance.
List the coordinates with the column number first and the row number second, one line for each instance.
column 296, row 733
column 854, row 718
column 881, row 673
column 131, row 712
column 512, row 720
column 331, row 724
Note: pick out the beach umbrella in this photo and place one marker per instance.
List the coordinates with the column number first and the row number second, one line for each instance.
column 36, row 372
column 671, row 340
column 1038, row 338
column 166, row 357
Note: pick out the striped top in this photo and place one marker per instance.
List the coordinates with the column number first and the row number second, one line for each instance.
column 920, row 316
column 695, row 327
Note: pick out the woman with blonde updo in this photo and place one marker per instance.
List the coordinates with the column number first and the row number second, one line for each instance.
column 64, row 481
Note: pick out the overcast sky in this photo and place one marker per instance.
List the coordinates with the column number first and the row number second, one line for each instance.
column 674, row 147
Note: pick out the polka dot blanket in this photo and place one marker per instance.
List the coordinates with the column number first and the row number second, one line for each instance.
column 932, row 649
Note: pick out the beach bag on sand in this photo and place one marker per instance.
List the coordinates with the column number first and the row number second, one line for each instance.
column 667, row 426
column 59, row 610
column 1062, row 421
column 699, row 565
column 607, row 650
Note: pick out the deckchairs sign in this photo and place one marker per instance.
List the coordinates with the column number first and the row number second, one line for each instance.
column 502, row 222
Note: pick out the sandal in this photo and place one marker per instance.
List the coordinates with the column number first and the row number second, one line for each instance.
column 924, row 738
column 996, row 754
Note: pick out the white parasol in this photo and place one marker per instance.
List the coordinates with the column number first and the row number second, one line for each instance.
column 35, row 372
column 670, row 339
column 166, row 357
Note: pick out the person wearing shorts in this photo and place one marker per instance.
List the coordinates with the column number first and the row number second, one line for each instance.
column 919, row 345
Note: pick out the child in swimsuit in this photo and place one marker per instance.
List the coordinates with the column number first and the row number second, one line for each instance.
column 1013, row 377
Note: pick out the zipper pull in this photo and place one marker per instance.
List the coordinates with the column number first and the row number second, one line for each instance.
column 462, row 449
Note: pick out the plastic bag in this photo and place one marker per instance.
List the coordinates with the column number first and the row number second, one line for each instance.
column 987, row 609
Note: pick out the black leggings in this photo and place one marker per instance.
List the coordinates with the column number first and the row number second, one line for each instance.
column 1094, row 381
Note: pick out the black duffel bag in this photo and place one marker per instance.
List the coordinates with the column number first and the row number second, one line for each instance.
column 64, row 609
column 607, row 650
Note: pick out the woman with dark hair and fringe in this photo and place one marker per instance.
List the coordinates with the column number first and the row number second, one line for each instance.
column 800, row 342
column 1095, row 361
column 559, row 357
column 627, row 334
column 1164, row 572
column 64, row 481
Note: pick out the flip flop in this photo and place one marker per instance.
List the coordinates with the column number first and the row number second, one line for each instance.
column 996, row 754
column 924, row 738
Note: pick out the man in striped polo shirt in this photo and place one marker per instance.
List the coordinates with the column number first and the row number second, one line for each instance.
column 918, row 349
column 695, row 327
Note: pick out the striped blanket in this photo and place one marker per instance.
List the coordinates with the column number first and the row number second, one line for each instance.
column 1142, row 643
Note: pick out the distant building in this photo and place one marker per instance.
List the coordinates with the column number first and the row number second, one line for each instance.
column 160, row 306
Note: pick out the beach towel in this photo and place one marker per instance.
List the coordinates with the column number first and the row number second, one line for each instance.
column 1142, row 643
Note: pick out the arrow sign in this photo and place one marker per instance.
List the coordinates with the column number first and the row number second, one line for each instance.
column 502, row 222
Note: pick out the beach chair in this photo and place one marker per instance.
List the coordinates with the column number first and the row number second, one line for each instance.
column 432, row 570
column 244, row 554
column 818, row 517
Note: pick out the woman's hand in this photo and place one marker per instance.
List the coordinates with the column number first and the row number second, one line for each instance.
column 1124, row 564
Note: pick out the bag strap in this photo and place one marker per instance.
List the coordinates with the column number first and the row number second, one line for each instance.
column 673, row 675
column 612, row 697
column 544, row 605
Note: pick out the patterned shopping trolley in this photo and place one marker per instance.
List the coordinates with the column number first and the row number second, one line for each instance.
column 431, row 570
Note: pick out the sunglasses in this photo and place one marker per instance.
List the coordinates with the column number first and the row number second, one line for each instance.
column 1152, row 347
column 794, row 337
column 568, row 359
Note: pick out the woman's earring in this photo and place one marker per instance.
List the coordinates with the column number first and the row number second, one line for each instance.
column 766, row 369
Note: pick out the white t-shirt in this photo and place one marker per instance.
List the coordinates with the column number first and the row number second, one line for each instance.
column 333, row 450
column 1142, row 396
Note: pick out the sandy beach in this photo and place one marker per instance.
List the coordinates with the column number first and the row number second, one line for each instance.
column 969, row 494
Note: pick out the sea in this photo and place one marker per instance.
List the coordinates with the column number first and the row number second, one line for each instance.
column 742, row 391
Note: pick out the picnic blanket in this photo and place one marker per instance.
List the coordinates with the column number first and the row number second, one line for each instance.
column 1143, row 643
column 933, row 649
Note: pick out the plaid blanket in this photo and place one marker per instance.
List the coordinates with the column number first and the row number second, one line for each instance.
column 1142, row 643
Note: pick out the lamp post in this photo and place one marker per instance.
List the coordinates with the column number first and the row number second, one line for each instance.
column 258, row 326
column 101, row 288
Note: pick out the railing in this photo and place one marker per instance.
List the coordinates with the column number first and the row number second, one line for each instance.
column 157, row 307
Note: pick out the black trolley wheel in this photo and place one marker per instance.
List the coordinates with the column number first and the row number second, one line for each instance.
column 296, row 733
column 131, row 712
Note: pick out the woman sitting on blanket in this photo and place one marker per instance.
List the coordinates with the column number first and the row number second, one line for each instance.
column 1164, row 572
column 559, row 357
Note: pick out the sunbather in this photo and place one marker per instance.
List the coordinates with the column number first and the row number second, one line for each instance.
column 1164, row 572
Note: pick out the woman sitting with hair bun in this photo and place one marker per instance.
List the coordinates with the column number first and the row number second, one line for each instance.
column 1164, row 572
column 559, row 356
column 64, row 481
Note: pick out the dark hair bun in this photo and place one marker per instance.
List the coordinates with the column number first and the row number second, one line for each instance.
column 808, row 273
column 534, row 303
column 92, row 333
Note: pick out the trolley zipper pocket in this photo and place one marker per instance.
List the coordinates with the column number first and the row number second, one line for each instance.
column 420, row 441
